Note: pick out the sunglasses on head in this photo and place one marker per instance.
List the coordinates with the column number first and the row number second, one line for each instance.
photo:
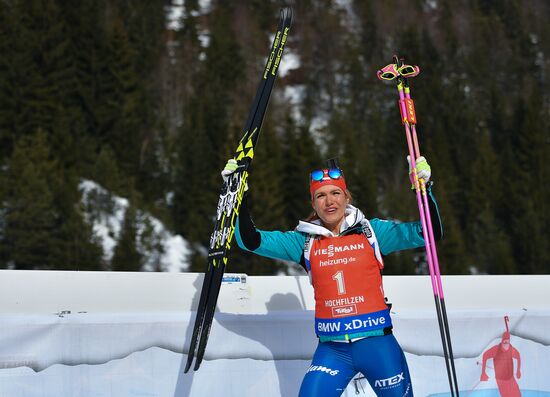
column 391, row 71
column 333, row 173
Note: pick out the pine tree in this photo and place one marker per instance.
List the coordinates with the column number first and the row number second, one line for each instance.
column 145, row 25
column 76, row 246
column 524, row 208
column 44, row 226
column 119, row 117
column 151, row 242
column 454, row 253
column 489, row 243
column 87, row 38
column 205, row 131
column 107, row 174
column 29, row 208
column 126, row 256
column 300, row 158
column 8, row 86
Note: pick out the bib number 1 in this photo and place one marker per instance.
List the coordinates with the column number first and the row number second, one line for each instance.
column 339, row 277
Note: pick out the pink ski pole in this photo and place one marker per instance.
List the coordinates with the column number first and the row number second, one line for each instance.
column 436, row 275
column 400, row 72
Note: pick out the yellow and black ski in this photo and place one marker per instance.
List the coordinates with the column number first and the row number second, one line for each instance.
column 231, row 197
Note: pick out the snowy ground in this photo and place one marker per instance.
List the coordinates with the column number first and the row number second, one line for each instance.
column 157, row 371
column 114, row 334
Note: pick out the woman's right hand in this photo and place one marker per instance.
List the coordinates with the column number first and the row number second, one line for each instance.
column 230, row 167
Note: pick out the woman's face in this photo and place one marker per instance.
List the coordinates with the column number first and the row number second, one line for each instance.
column 329, row 202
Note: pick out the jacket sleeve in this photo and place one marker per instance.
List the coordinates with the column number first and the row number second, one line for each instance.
column 396, row 236
column 288, row 246
column 437, row 225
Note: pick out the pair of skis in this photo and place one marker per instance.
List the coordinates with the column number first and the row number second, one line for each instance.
column 399, row 72
column 231, row 197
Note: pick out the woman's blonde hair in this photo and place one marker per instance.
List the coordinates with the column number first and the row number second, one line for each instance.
column 313, row 215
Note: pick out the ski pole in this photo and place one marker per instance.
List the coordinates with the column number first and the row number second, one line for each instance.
column 437, row 276
column 409, row 118
column 400, row 72
column 473, row 388
column 407, row 105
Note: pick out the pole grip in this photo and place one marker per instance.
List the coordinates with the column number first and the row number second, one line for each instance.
column 407, row 110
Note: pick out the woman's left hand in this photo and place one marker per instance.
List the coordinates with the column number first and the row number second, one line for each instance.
column 423, row 169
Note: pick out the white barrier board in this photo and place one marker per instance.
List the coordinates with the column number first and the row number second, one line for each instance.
column 83, row 334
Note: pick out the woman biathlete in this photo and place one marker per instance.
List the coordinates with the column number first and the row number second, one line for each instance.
column 342, row 251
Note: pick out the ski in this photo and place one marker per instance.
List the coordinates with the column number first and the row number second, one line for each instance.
column 231, row 197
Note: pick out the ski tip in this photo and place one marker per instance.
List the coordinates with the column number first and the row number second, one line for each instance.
column 197, row 364
column 286, row 12
column 188, row 365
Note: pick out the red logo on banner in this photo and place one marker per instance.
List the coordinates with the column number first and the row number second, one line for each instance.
column 503, row 356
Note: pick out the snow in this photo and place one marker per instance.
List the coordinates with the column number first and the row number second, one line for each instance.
column 317, row 128
column 294, row 95
column 157, row 370
column 107, row 225
column 290, row 61
column 175, row 12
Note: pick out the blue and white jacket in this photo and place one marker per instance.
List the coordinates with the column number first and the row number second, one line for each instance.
column 289, row 246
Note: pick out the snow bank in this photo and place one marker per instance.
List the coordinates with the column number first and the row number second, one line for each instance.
column 127, row 334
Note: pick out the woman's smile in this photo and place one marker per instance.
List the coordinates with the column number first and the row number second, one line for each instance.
column 329, row 202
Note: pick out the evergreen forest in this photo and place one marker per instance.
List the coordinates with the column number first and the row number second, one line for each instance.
column 148, row 98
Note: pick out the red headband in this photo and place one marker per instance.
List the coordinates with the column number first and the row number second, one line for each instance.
column 327, row 180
